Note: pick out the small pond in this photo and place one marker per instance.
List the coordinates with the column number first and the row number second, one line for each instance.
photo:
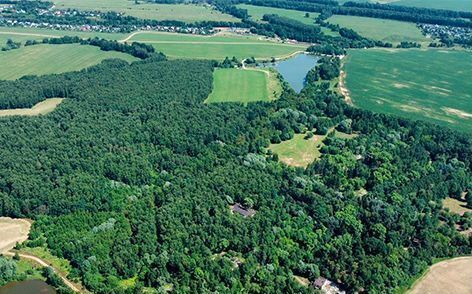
column 27, row 287
column 294, row 69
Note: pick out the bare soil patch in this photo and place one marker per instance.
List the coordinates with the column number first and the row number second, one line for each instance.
column 43, row 107
column 12, row 231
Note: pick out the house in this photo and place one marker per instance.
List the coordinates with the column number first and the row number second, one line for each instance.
column 245, row 212
column 327, row 286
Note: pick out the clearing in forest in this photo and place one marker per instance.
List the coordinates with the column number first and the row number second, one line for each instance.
column 12, row 231
column 46, row 59
column 449, row 276
column 381, row 29
column 146, row 10
column 216, row 46
column 418, row 84
column 456, row 206
column 42, row 108
column 243, row 85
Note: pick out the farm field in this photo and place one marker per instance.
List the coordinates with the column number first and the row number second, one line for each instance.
column 257, row 12
column 42, row 108
column 182, row 12
column 460, row 5
column 47, row 59
column 215, row 47
column 449, row 276
column 239, row 85
column 416, row 84
column 381, row 29
column 12, row 231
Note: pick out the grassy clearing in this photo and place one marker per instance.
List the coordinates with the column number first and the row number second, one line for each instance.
column 456, row 206
column 239, row 85
column 381, row 29
column 448, row 276
column 62, row 265
column 182, row 12
column 42, row 108
column 215, row 47
column 461, row 5
column 257, row 12
column 47, row 59
column 418, row 84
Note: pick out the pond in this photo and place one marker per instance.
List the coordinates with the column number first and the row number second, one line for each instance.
column 27, row 287
column 294, row 69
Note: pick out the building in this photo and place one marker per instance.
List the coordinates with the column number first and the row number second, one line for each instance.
column 327, row 286
column 245, row 212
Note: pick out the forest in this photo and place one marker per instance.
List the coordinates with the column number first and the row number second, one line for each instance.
column 132, row 177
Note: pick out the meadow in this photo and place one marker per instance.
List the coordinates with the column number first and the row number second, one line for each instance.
column 381, row 29
column 215, row 47
column 42, row 108
column 47, row 59
column 419, row 84
column 239, row 85
column 182, row 12
column 257, row 12
column 460, row 5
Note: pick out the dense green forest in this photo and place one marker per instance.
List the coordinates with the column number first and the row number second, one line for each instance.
column 132, row 176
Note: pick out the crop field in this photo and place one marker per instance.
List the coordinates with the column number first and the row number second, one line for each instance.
column 19, row 34
column 182, row 12
column 381, row 29
column 12, row 231
column 215, row 47
column 461, row 5
column 42, row 108
column 449, row 276
column 239, row 85
column 257, row 12
column 419, row 84
column 47, row 59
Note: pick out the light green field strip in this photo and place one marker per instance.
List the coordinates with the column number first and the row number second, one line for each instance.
column 182, row 12
column 381, row 29
column 238, row 85
column 297, row 151
column 433, row 85
column 47, row 59
column 459, row 5
column 42, row 108
column 257, row 12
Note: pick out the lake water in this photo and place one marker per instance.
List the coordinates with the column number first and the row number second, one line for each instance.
column 27, row 287
column 294, row 69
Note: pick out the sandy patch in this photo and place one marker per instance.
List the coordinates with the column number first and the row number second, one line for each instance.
column 457, row 112
column 43, row 107
column 450, row 276
column 12, row 231
column 343, row 89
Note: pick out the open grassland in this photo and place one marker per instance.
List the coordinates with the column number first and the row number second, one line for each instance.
column 182, row 12
column 456, row 206
column 257, row 12
column 381, row 29
column 461, row 5
column 239, row 85
column 432, row 85
column 449, row 276
column 300, row 152
column 60, row 264
column 215, row 47
column 12, row 231
column 47, row 59
column 42, row 108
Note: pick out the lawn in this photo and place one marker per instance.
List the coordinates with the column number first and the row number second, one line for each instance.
column 182, row 12
column 430, row 84
column 215, row 47
column 42, row 108
column 239, row 85
column 47, row 59
column 381, row 29
column 257, row 12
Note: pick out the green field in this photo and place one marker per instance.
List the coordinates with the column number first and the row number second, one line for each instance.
column 215, row 47
column 183, row 12
column 461, row 5
column 381, row 29
column 239, row 85
column 47, row 59
column 298, row 151
column 257, row 12
column 419, row 84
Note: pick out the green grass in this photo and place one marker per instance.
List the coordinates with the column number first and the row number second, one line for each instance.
column 432, row 85
column 215, row 47
column 381, row 29
column 62, row 265
column 257, row 12
column 238, row 85
column 47, row 59
column 462, row 5
column 182, row 12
